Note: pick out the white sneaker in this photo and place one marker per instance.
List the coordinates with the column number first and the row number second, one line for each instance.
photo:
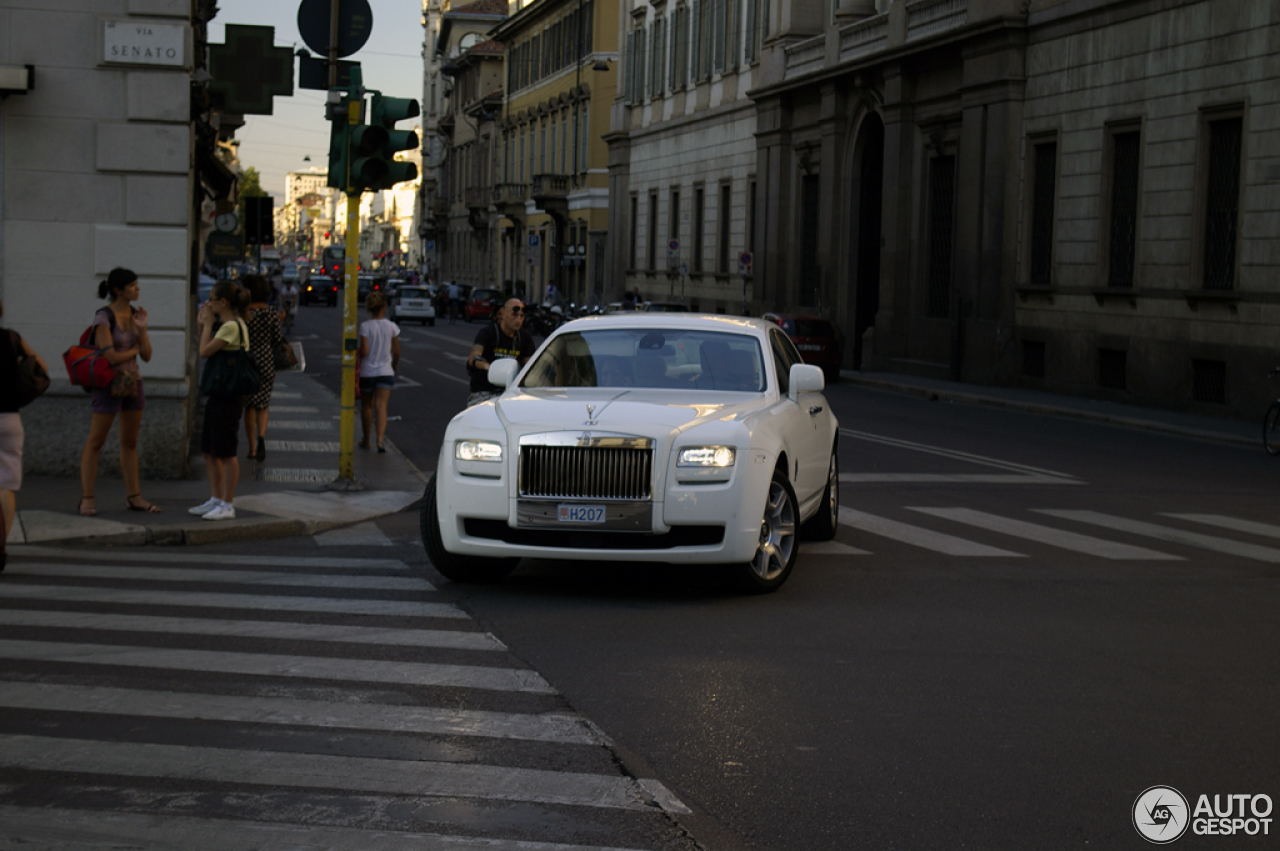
column 222, row 512
column 205, row 507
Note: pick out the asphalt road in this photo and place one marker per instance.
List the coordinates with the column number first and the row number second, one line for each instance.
column 1023, row 624
column 969, row 668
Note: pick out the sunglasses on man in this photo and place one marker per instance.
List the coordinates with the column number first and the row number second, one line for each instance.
column 515, row 311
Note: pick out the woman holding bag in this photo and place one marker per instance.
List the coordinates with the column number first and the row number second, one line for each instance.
column 121, row 330
column 220, row 434
column 264, row 335
column 12, row 348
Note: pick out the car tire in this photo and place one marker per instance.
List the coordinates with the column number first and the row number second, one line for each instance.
column 458, row 568
column 778, row 544
column 822, row 526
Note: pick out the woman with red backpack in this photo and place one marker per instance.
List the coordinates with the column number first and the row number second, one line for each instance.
column 121, row 330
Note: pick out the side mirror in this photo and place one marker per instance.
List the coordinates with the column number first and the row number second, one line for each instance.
column 503, row 371
column 805, row 378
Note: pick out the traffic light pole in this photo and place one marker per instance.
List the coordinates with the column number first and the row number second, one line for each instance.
column 350, row 340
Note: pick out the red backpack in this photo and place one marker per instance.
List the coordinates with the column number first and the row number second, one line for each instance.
column 87, row 365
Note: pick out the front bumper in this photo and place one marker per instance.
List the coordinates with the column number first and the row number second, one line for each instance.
column 688, row 523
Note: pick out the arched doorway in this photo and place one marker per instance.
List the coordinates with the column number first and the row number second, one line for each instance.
column 866, row 198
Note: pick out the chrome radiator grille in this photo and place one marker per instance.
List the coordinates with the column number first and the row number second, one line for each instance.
column 592, row 472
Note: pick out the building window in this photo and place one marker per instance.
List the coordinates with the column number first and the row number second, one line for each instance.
column 673, row 217
column 1045, row 165
column 584, row 163
column 1209, row 381
column 751, row 218
column 810, row 218
column 942, row 191
column 653, row 231
column 1222, row 202
column 699, row 219
column 553, row 146
column 722, row 249
column 1123, row 224
column 680, row 49
column 1112, row 369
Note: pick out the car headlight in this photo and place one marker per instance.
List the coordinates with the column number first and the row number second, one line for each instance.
column 477, row 450
column 706, row 456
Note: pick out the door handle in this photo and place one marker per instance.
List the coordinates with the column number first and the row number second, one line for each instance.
column 815, row 410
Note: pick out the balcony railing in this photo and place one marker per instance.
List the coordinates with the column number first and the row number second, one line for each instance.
column 510, row 194
column 549, row 187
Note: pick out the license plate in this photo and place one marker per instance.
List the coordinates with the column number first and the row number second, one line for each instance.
column 809, row 347
column 581, row 513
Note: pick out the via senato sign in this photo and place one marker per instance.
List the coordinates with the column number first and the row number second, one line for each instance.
column 144, row 43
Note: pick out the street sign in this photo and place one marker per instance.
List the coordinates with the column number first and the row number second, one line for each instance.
column 744, row 263
column 313, row 73
column 223, row 246
column 355, row 22
column 533, row 240
column 673, row 248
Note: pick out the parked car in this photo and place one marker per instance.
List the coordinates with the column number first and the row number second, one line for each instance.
column 413, row 303
column 481, row 304
column 366, row 284
column 816, row 338
column 688, row 439
column 665, row 307
column 320, row 288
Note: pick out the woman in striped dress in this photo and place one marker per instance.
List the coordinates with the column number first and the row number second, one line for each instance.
column 264, row 334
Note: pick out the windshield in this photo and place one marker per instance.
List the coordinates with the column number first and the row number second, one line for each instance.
column 674, row 359
column 414, row 292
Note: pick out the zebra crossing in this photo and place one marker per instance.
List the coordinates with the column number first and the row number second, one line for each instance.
column 157, row 700
column 1073, row 530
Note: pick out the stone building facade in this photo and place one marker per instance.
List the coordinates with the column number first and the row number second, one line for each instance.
column 96, row 167
column 683, row 152
column 1075, row 195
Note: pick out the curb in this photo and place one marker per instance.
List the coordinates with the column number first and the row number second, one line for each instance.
column 932, row 395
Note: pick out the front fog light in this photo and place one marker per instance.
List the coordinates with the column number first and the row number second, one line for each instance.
column 706, row 456
column 477, row 450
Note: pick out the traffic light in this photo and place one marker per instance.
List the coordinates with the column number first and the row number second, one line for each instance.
column 384, row 113
column 368, row 168
column 336, row 112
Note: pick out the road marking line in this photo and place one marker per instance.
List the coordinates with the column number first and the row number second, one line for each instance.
column 252, row 600
column 304, row 445
column 293, row 409
column 970, row 478
column 298, row 474
column 456, row 378
column 919, row 537
column 273, row 665
column 275, row 630
column 1167, row 533
column 1250, row 527
column 108, row 554
column 831, row 548
column 240, row 577
column 1048, row 535
column 302, row 425
column 42, row 827
column 416, row 720
column 407, row 778
column 952, row 453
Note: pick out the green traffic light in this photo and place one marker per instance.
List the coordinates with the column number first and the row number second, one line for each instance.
column 384, row 113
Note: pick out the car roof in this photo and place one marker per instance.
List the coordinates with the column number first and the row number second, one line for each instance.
column 674, row 320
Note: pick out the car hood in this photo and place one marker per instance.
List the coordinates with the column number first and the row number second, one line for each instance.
column 643, row 412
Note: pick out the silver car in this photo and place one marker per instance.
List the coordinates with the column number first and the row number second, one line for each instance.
column 412, row 303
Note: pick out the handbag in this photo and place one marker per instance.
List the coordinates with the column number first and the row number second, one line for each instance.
column 32, row 379
column 87, row 365
column 282, row 355
column 231, row 373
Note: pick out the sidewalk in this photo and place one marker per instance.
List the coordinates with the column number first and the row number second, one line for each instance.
column 284, row 496
column 1199, row 426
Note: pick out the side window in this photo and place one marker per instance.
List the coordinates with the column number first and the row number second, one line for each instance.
column 784, row 355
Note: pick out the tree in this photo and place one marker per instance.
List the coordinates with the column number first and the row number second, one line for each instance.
column 251, row 184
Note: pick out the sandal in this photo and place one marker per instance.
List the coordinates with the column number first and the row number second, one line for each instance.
column 381, row 449
column 364, row 444
column 149, row 508
column 86, row 512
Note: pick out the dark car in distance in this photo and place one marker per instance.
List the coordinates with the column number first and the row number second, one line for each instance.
column 320, row 288
column 817, row 339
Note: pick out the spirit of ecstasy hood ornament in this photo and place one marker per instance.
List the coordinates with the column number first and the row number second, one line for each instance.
column 591, row 413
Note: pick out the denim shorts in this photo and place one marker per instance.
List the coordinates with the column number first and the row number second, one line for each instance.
column 105, row 403
column 368, row 384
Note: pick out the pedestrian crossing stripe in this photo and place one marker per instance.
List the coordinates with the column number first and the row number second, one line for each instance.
column 41, row 827
column 1250, row 527
column 920, row 537
column 451, row 639
column 414, row 720
column 276, row 665
column 319, row 771
column 1036, row 475
column 247, row 600
column 1167, row 533
column 188, row 556
column 1046, row 535
column 240, row 577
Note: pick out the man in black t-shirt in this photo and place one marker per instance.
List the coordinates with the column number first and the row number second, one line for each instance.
column 505, row 337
